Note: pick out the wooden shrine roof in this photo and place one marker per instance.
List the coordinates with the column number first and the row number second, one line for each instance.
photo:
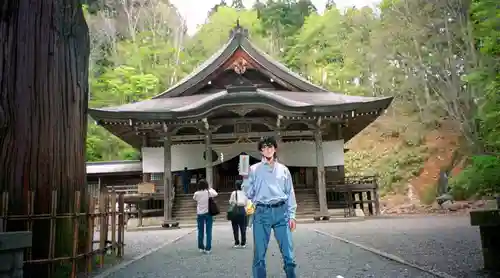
column 122, row 166
column 197, row 106
column 238, row 40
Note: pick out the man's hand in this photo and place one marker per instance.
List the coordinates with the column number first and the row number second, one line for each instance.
column 292, row 224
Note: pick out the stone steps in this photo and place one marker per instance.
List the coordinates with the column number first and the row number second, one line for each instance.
column 184, row 209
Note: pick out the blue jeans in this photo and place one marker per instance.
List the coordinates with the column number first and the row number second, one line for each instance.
column 205, row 222
column 265, row 219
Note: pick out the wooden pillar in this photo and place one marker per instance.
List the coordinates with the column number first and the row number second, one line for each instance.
column 277, row 135
column 146, row 177
column 321, row 174
column 310, row 177
column 99, row 184
column 209, row 170
column 167, row 183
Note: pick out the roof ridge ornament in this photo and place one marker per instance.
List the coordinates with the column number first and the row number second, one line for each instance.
column 238, row 31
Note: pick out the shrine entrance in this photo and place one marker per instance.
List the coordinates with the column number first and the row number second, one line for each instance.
column 226, row 174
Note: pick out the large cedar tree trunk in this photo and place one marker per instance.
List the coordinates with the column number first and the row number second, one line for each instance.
column 44, row 48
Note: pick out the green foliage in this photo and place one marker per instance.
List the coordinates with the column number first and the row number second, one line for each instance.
column 407, row 51
column 123, row 85
column 394, row 167
column 428, row 195
column 332, row 50
column 215, row 32
column 481, row 177
column 103, row 146
column 399, row 168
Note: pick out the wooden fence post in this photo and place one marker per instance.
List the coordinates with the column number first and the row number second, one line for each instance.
column 91, row 232
column 76, row 221
column 102, row 229
column 52, row 233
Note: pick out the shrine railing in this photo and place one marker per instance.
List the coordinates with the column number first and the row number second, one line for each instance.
column 354, row 183
column 101, row 227
column 355, row 191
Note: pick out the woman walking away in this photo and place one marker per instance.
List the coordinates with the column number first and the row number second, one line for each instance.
column 204, row 218
column 238, row 219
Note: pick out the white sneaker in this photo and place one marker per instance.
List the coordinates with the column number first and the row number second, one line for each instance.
column 207, row 251
column 202, row 251
column 243, row 246
column 236, row 246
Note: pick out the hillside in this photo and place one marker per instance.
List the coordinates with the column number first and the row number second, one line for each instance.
column 405, row 153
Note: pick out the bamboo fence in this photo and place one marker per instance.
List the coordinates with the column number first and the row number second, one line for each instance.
column 103, row 213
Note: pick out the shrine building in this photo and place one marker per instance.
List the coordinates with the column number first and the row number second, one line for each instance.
column 221, row 110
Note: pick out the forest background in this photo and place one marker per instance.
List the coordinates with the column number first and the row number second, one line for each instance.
column 438, row 58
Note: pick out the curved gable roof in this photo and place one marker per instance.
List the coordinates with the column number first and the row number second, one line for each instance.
column 238, row 40
column 199, row 105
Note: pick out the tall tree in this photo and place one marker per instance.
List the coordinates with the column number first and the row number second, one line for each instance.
column 237, row 4
column 258, row 6
column 281, row 20
column 43, row 100
column 216, row 8
column 330, row 4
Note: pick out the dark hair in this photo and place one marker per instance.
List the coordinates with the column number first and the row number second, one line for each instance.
column 238, row 184
column 185, row 168
column 267, row 141
column 202, row 184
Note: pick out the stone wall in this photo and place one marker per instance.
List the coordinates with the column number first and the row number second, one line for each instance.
column 12, row 246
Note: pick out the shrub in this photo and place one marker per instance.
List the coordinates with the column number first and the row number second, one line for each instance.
column 480, row 178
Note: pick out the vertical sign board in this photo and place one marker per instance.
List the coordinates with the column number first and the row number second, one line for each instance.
column 244, row 165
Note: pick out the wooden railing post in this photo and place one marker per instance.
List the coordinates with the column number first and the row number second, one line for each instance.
column 376, row 197
column 369, row 198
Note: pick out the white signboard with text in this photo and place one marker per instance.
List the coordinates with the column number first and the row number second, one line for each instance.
column 244, row 165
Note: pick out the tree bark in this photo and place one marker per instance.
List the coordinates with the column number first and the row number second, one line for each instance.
column 43, row 108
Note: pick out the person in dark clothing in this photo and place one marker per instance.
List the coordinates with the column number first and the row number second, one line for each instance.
column 239, row 219
column 186, row 180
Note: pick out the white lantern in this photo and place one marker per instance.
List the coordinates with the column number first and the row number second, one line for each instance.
column 244, row 165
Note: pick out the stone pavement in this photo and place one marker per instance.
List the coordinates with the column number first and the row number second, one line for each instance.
column 447, row 244
column 317, row 256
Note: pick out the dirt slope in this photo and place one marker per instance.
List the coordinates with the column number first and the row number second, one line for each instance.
column 406, row 153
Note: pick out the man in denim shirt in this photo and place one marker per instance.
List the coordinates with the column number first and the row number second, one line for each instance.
column 269, row 187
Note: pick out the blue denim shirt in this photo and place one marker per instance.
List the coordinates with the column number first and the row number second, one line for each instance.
column 268, row 184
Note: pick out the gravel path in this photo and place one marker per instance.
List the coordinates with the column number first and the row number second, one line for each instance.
column 139, row 242
column 445, row 243
column 317, row 256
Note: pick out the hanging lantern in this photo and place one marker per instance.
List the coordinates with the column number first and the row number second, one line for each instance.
column 244, row 165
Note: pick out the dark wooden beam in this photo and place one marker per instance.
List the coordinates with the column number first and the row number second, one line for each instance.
column 268, row 121
column 351, row 187
column 228, row 136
